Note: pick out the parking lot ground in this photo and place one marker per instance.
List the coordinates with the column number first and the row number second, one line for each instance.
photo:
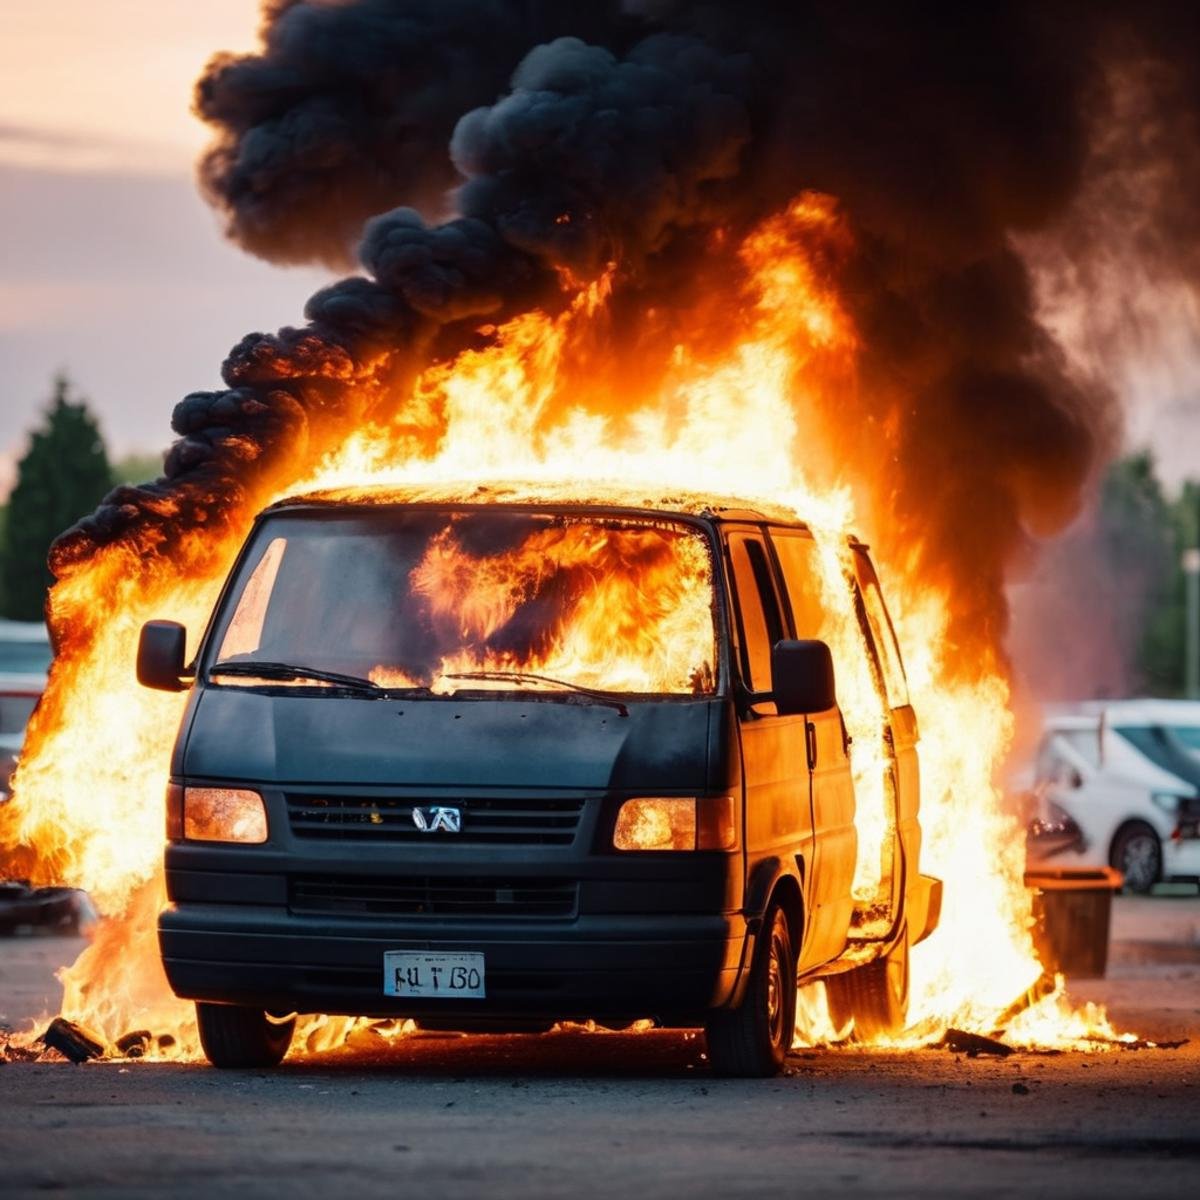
column 581, row 1115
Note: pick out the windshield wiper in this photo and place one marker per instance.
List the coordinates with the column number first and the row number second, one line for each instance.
column 527, row 677
column 285, row 671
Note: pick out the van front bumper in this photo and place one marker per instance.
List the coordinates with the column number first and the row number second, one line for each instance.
column 605, row 967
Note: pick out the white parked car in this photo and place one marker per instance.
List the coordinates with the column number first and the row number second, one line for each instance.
column 24, row 661
column 1118, row 784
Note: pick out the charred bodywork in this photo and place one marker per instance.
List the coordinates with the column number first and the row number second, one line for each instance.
column 570, row 927
column 484, row 820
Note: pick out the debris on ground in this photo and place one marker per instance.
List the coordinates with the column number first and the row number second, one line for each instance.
column 24, row 908
column 73, row 1041
column 973, row 1044
column 78, row 1044
column 1144, row 1044
column 135, row 1044
column 14, row 1048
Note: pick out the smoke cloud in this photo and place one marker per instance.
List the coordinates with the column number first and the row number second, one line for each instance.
column 347, row 110
column 475, row 151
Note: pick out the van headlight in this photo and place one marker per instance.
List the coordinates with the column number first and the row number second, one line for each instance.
column 202, row 814
column 676, row 823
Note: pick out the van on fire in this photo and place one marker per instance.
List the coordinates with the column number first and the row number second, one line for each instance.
column 492, row 759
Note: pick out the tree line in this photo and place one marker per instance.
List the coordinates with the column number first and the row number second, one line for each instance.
column 64, row 473
column 1143, row 533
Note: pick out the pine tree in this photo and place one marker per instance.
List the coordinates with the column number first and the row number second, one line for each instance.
column 62, row 477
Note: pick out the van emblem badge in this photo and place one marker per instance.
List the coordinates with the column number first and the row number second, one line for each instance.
column 430, row 820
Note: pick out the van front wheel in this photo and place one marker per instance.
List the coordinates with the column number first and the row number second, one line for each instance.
column 233, row 1036
column 875, row 995
column 753, row 1039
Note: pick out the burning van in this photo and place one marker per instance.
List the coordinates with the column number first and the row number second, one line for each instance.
column 493, row 761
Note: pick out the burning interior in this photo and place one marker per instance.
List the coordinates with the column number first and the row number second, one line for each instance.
column 726, row 253
column 445, row 601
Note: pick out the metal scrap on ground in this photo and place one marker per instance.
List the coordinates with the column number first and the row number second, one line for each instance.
column 73, row 1041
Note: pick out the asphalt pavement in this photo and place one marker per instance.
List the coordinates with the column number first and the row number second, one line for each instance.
column 593, row 1114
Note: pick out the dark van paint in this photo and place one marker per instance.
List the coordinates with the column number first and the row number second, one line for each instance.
column 569, row 927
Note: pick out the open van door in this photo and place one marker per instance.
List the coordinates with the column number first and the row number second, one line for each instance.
column 902, row 734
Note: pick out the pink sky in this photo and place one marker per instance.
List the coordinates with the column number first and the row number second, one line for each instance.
column 111, row 267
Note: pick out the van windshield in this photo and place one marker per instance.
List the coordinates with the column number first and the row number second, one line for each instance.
column 475, row 599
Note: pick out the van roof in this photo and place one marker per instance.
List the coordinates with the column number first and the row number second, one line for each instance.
column 634, row 498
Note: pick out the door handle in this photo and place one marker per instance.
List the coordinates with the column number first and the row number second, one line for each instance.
column 810, row 739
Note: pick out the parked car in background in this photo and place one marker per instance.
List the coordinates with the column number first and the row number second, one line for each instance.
column 43, row 910
column 1119, row 785
column 25, row 656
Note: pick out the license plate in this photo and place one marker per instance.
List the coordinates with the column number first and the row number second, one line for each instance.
column 442, row 976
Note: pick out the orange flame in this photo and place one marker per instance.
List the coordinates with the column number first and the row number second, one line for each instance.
column 639, row 617
column 740, row 406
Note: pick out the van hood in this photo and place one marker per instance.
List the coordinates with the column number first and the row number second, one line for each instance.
column 551, row 741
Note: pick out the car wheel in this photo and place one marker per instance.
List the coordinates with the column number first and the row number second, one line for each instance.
column 233, row 1036
column 1137, row 854
column 874, row 996
column 753, row 1039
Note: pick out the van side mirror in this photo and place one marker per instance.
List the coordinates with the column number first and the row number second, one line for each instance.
column 802, row 677
column 160, row 659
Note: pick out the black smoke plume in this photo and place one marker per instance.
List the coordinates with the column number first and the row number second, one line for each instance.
column 347, row 110
column 476, row 149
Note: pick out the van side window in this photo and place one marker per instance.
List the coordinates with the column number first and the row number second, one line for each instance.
column 881, row 631
column 760, row 624
column 802, row 577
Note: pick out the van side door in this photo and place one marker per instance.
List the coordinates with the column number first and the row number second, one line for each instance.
column 777, row 801
column 830, row 880
column 902, row 729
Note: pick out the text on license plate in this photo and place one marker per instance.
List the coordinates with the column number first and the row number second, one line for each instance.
column 422, row 973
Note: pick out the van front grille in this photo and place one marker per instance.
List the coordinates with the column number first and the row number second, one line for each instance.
column 432, row 896
column 518, row 821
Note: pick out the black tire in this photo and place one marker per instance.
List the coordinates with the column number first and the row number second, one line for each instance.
column 752, row 1040
column 1137, row 854
column 874, row 996
column 242, row 1037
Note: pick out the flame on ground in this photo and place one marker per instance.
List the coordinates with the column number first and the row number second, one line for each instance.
column 743, row 413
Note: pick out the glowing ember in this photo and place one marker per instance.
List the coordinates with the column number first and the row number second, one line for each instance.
column 745, row 411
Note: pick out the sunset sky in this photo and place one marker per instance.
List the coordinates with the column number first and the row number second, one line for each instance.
column 113, row 269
